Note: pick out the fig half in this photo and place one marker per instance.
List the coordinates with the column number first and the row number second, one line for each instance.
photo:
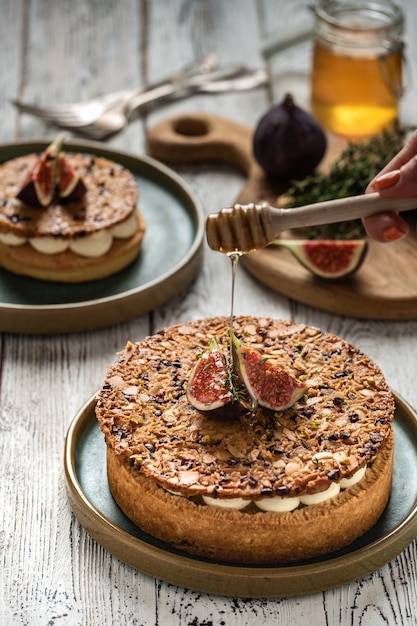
column 70, row 186
column 209, row 388
column 331, row 259
column 38, row 188
column 271, row 386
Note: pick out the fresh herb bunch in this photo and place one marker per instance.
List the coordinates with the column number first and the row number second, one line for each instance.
column 349, row 176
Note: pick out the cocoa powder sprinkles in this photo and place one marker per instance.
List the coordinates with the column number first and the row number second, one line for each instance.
column 337, row 427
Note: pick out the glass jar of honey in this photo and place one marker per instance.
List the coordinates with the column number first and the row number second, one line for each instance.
column 356, row 81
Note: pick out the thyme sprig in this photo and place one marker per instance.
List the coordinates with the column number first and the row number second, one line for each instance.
column 233, row 381
column 348, row 176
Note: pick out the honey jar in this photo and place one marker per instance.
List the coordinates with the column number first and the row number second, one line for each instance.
column 356, row 81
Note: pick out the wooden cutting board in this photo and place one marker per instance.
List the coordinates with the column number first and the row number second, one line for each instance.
column 385, row 287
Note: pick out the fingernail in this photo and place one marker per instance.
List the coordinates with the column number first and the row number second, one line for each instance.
column 392, row 233
column 387, row 180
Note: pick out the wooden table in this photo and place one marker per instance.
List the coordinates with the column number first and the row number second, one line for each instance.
column 52, row 572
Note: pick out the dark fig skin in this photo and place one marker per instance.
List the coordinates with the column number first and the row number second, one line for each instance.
column 288, row 142
column 230, row 411
column 76, row 194
column 70, row 187
column 28, row 195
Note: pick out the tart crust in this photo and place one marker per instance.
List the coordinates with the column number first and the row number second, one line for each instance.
column 261, row 538
column 163, row 455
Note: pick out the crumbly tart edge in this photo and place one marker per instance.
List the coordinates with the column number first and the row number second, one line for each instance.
column 69, row 267
column 263, row 538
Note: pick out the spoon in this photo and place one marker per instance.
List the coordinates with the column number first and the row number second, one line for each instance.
column 244, row 228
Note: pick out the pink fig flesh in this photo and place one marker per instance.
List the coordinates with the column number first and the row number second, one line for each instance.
column 271, row 386
column 208, row 385
column 332, row 259
column 70, row 186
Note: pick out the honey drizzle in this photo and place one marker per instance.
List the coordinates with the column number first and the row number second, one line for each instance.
column 234, row 258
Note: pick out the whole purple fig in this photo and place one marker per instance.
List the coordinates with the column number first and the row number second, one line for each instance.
column 288, row 142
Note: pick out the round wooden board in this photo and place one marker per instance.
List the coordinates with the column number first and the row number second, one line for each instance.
column 383, row 288
column 94, row 507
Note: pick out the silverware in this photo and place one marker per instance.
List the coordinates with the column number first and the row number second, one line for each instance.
column 117, row 118
column 75, row 113
column 83, row 113
column 244, row 228
column 249, row 79
column 83, row 117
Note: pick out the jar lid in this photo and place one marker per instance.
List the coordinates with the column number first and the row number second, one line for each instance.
column 359, row 23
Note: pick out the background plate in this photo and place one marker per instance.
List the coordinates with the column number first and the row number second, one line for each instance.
column 93, row 505
column 175, row 225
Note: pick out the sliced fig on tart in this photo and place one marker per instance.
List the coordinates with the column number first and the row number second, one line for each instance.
column 269, row 385
column 38, row 188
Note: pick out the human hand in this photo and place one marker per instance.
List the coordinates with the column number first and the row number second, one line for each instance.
column 398, row 179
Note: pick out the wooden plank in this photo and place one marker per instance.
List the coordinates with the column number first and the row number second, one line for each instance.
column 12, row 25
column 53, row 571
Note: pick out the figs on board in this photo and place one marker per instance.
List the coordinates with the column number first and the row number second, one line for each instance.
column 70, row 186
column 288, row 142
column 271, row 386
column 332, row 259
column 38, row 188
column 209, row 388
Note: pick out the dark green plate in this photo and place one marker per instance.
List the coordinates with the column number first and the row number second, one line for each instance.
column 169, row 259
column 92, row 503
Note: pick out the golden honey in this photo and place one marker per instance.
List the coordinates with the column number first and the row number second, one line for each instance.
column 356, row 78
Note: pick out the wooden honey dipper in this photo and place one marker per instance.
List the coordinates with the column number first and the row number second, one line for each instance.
column 244, row 228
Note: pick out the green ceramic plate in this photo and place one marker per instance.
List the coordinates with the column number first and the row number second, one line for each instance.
column 92, row 503
column 169, row 260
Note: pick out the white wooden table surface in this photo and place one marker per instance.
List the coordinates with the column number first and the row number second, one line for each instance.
column 52, row 572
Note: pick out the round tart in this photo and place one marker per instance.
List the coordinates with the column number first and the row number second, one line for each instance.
column 269, row 488
column 86, row 239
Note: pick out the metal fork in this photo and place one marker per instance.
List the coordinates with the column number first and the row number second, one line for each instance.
column 83, row 113
column 75, row 113
column 117, row 118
